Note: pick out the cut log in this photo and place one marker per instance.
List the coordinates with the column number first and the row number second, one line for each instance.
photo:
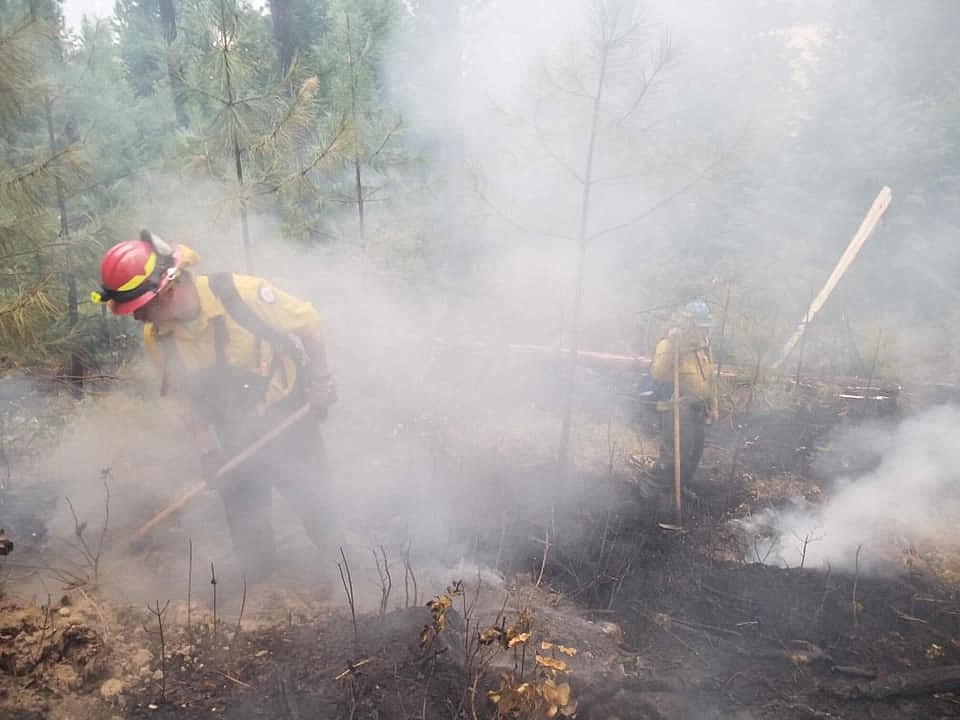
column 915, row 682
column 880, row 205
column 854, row 671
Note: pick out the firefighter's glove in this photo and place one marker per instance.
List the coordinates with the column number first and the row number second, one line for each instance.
column 674, row 332
column 321, row 393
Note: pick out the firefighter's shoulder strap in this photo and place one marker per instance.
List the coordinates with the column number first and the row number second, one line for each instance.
column 223, row 286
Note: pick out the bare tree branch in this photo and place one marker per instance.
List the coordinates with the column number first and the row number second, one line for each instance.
column 659, row 204
column 387, row 139
column 664, row 55
column 556, row 158
column 522, row 228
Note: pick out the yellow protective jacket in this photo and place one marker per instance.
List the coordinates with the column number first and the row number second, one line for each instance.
column 698, row 376
column 195, row 344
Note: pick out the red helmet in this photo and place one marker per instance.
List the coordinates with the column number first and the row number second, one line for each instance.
column 134, row 271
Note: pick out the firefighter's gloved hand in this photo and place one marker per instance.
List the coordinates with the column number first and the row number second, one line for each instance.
column 674, row 332
column 321, row 393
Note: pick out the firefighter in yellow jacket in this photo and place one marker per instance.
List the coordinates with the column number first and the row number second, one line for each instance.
column 243, row 355
column 698, row 388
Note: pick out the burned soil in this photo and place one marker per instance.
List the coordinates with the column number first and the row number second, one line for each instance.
column 587, row 607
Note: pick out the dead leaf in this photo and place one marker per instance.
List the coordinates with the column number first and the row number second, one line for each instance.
column 518, row 639
column 556, row 694
column 490, row 636
column 553, row 664
column 426, row 636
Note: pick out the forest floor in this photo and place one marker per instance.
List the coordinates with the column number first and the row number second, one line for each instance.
column 622, row 620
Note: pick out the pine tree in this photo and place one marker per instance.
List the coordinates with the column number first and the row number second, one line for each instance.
column 147, row 32
column 36, row 170
column 353, row 51
column 248, row 127
column 584, row 121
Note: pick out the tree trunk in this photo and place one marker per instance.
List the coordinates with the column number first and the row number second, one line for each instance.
column 571, row 374
column 456, row 252
column 283, row 34
column 357, row 138
column 75, row 367
column 168, row 21
column 235, row 142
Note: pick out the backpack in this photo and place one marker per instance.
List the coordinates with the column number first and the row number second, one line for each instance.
column 224, row 288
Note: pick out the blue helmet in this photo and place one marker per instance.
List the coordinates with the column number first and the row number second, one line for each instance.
column 697, row 312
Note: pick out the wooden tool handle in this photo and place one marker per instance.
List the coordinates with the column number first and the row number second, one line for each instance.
column 228, row 467
column 677, row 482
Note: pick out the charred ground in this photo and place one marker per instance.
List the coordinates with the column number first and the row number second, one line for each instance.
column 665, row 624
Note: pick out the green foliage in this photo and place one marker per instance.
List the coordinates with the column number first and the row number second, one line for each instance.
column 30, row 174
column 298, row 26
column 351, row 55
column 18, row 50
column 852, row 96
column 141, row 45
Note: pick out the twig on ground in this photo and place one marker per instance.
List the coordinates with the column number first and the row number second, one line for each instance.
column 352, row 667
column 47, row 622
column 408, row 577
column 619, row 584
column 856, row 577
column 756, row 549
column 189, row 577
column 546, row 544
column 804, row 542
column 103, row 620
column 243, row 604
column 347, row 581
column 158, row 613
column 386, row 581
column 233, row 679
column 826, row 589
column 91, row 555
column 213, row 581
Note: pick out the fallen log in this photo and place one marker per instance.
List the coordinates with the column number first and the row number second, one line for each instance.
column 854, row 671
column 914, row 682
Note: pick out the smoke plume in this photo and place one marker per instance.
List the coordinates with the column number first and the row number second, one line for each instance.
column 909, row 498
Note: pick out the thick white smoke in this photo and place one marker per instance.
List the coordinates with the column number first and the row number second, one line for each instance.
column 910, row 498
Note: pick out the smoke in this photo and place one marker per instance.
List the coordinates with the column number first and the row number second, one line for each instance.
column 476, row 249
column 876, row 519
